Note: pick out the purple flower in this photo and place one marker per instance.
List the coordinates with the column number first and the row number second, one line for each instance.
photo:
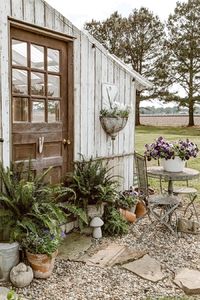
column 161, row 148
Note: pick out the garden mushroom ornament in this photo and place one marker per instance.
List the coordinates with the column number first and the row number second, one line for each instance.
column 96, row 223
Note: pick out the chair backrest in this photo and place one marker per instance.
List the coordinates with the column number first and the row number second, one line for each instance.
column 141, row 171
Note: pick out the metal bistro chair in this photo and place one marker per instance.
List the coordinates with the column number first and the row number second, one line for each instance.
column 161, row 207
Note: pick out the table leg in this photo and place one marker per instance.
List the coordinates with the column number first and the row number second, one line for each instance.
column 170, row 187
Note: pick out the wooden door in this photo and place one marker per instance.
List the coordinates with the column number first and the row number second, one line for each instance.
column 42, row 102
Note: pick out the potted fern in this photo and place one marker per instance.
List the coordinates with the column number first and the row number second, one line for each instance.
column 29, row 205
column 93, row 185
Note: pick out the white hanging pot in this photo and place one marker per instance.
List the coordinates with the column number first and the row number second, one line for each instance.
column 173, row 165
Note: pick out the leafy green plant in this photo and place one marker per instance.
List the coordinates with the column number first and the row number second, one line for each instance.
column 125, row 201
column 114, row 223
column 28, row 203
column 92, row 183
column 12, row 296
column 41, row 242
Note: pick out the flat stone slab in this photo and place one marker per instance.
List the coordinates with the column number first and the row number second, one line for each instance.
column 147, row 268
column 113, row 254
column 74, row 245
column 3, row 293
column 188, row 280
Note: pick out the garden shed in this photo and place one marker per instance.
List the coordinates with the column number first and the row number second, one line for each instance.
column 54, row 82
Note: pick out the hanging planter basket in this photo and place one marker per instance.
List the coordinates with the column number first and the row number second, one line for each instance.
column 112, row 125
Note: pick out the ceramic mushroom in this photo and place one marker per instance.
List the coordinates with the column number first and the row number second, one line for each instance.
column 96, row 223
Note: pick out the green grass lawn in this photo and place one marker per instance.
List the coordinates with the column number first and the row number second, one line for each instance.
column 147, row 134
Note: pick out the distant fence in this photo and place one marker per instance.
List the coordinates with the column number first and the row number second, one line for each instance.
column 168, row 120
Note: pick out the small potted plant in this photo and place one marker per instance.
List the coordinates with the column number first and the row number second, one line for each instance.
column 173, row 154
column 41, row 247
column 114, row 118
column 126, row 203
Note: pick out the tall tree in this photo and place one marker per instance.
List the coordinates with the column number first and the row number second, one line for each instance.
column 138, row 41
column 184, row 53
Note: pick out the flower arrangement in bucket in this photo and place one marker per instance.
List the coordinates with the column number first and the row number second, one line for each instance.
column 114, row 116
column 173, row 154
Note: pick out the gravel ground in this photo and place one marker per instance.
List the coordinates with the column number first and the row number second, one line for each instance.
column 77, row 281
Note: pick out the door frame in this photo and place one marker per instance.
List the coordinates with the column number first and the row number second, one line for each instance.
column 70, row 81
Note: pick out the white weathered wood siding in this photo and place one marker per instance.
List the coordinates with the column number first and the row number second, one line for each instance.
column 92, row 67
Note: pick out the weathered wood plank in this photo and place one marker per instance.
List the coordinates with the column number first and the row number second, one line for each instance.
column 4, row 81
column 84, row 95
column 77, row 105
column 17, row 9
column 29, row 11
column 39, row 13
column 97, row 97
column 49, row 16
column 90, row 123
column 104, row 137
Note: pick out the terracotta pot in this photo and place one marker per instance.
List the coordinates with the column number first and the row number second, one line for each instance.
column 140, row 210
column 128, row 215
column 42, row 264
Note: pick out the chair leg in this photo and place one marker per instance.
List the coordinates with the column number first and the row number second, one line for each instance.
column 191, row 203
column 165, row 218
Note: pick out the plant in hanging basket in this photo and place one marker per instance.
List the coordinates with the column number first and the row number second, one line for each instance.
column 114, row 119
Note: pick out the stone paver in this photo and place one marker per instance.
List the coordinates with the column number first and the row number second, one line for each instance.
column 74, row 245
column 188, row 280
column 146, row 267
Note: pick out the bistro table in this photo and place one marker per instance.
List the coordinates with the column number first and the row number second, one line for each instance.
column 186, row 174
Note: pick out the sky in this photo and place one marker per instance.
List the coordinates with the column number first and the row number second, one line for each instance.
column 81, row 11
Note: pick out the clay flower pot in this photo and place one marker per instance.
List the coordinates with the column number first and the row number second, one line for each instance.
column 42, row 264
column 128, row 215
column 140, row 210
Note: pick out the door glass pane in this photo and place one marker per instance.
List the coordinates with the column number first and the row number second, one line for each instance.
column 20, row 109
column 19, row 82
column 53, row 111
column 37, row 57
column 19, row 53
column 38, row 111
column 53, row 86
column 37, row 84
column 53, row 60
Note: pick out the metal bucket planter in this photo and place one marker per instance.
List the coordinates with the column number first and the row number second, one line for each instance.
column 173, row 165
column 112, row 125
column 9, row 257
column 95, row 211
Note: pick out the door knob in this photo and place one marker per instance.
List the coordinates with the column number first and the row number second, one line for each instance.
column 66, row 142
